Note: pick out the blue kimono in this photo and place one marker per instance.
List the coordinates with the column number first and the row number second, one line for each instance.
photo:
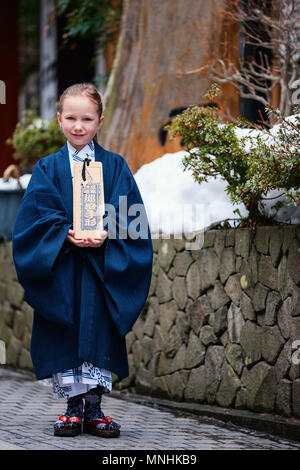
column 85, row 300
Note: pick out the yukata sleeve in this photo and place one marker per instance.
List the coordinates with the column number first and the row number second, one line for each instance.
column 39, row 233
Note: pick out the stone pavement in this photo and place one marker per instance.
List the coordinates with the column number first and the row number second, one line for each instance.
column 28, row 411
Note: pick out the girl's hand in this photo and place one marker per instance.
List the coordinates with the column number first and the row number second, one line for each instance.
column 86, row 242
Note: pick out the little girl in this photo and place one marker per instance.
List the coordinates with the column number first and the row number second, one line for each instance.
column 86, row 293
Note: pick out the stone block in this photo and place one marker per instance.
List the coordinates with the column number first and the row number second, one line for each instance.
column 193, row 280
column 137, row 353
column 271, row 343
column 207, row 335
column 295, row 329
column 178, row 362
column 289, row 233
column 251, row 340
column 198, row 312
column 228, row 388
column 267, row 274
column 275, row 244
column 176, row 384
column 283, row 362
column 182, row 326
column 219, row 242
column 261, row 388
column 284, row 398
column 158, row 339
column 284, row 318
column 167, row 315
column 241, row 399
column 261, row 239
column 14, row 292
column 179, row 291
column 247, row 307
column 225, row 338
column 182, row 262
column 166, row 254
column 220, row 320
column 229, row 237
column 152, row 287
column 143, row 380
column 160, row 388
column 171, row 342
column 295, row 291
column 163, row 287
column 3, row 292
column 296, row 398
column 233, row 288
column 253, row 263
column 195, row 352
column 155, row 265
column 164, row 365
column 217, row 295
column 209, row 238
column 196, row 385
column 150, row 322
column 293, row 261
column 24, row 361
column 26, row 339
column 138, row 328
column 208, row 265
column 234, row 356
column 273, row 303
column 5, row 332
column 214, row 360
column 13, row 351
column 28, row 312
column 172, row 273
column 8, row 314
column 19, row 324
column 8, row 250
column 147, row 349
column 259, row 297
column 246, row 276
column 4, row 270
column 284, row 280
column 235, row 322
column 179, row 243
column 242, row 242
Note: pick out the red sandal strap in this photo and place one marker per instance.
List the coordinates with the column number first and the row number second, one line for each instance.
column 94, row 422
column 62, row 418
column 73, row 419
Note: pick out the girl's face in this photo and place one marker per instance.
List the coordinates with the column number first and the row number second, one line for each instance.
column 79, row 120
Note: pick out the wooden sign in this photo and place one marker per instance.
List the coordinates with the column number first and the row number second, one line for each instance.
column 88, row 200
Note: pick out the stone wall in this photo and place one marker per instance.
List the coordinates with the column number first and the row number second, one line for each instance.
column 15, row 315
column 219, row 325
column 220, row 322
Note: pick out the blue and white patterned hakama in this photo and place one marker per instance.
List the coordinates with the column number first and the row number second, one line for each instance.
column 81, row 379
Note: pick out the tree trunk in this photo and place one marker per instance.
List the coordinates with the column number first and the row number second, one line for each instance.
column 158, row 39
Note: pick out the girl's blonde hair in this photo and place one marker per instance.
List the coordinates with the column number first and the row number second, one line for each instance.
column 83, row 89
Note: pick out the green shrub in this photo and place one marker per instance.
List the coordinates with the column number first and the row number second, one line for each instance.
column 34, row 138
column 250, row 165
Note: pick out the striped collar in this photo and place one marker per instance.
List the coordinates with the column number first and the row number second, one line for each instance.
column 88, row 151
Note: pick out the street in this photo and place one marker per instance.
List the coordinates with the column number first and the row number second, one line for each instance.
column 28, row 412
